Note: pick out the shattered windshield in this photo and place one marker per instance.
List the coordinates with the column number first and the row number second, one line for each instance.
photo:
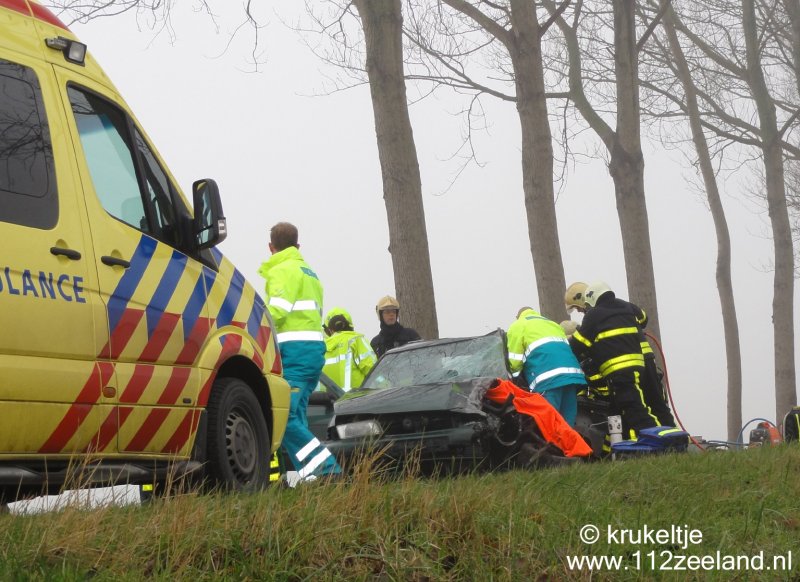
column 455, row 361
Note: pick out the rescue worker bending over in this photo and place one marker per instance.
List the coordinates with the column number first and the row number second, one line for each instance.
column 348, row 357
column 597, row 386
column 294, row 300
column 392, row 334
column 652, row 386
column 610, row 336
column 539, row 347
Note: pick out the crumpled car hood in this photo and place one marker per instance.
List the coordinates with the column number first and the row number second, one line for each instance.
column 461, row 397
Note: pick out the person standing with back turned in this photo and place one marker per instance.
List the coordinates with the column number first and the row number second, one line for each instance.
column 294, row 300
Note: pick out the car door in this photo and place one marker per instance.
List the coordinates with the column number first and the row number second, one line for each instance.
column 154, row 290
column 54, row 397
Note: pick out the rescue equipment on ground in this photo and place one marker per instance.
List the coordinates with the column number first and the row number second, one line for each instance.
column 655, row 439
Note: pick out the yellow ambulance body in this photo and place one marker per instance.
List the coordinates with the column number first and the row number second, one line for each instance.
column 129, row 345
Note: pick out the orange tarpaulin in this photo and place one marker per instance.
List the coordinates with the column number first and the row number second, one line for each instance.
column 552, row 425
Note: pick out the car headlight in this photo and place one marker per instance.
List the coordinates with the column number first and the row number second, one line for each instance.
column 360, row 429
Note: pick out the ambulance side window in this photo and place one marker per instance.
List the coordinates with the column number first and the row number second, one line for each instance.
column 129, row 182
column 28, row 194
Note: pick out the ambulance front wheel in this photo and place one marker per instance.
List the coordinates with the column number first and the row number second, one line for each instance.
column 238, row 438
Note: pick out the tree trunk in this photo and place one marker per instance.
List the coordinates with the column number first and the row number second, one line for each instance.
column 783, row 288
column 724, row 284
column 627, row 167
column 537, row 158
column 402, row 187
column 793, row 11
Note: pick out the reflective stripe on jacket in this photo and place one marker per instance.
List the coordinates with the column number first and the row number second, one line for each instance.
column 611, row 335
column 348, row 359
column 539, row 347
column 294, row 296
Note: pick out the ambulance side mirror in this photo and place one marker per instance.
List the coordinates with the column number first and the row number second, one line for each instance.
column 209, row 222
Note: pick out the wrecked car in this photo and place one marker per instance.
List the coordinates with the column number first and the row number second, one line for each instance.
column 424, row 402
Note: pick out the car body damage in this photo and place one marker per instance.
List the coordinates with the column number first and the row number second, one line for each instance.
column 425, row 401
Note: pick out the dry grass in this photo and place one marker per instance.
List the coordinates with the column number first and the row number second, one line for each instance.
column 509, row 526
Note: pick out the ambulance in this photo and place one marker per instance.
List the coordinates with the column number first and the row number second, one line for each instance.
column 131, row 350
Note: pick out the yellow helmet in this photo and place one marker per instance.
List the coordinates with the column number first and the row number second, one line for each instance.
column 387, row 302
column 596, row 290
column 574, row 296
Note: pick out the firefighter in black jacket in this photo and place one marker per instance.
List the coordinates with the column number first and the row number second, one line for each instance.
column 392, row 334
column 610, row 335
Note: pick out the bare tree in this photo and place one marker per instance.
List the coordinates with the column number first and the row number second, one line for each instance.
column 626, row 162
column 671, row 56
column 382, row 23
column 736, row 42
column 511, row 31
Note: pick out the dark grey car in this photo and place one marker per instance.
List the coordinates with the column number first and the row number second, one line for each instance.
column 428, row 397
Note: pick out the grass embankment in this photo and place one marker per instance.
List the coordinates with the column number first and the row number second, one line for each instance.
column 511, row 526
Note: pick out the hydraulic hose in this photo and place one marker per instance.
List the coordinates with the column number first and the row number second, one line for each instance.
column 669, row 391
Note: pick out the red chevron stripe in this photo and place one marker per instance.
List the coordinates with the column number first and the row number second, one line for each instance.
column 122, row 334
column 79, row 410
column 233, row 343
column 258, row 360
column 156, row 417
column 186, row 428
column 263, row 337
column 148, row 429
column 175, row 386
column 277, row 365
column 197, row 338
column 136, row 385
column 161, row 334
column 108, row 430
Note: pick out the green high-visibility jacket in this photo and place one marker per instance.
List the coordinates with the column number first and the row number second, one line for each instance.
column 348, row 359
column 294, row 296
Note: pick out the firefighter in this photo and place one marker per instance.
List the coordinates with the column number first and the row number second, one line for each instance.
column 597, row 386
column 652, row 385
column 610, row 336
column 294, row 300
column 392, row 334
column 348, row 355
column 539, row 348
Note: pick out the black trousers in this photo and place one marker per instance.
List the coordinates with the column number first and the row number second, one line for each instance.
column 628, row 400
column 654, row 395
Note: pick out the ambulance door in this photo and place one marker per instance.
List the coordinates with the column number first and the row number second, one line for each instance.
column 54, row 398
column 153, row 286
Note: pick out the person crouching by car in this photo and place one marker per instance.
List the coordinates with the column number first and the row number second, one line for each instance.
column 538, row 347
column 348, row 355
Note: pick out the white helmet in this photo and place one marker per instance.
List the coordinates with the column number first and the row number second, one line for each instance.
column 594, row 291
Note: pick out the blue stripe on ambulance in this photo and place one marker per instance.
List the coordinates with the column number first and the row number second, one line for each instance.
column 164, row 291
column 197, row 301
column 254, row 321
column 130, row 280
column 232, row 299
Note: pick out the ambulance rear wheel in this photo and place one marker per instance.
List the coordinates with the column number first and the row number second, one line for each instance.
column 238, row 438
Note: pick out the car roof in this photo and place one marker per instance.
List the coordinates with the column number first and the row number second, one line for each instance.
column 415, row 345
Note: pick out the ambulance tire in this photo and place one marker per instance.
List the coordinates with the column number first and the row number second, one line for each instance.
column 238, row 438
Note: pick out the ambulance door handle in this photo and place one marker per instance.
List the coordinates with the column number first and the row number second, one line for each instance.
column 69, row 253
column 115, row 262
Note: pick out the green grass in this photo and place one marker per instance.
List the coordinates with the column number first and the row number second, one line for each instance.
column 511, row 526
